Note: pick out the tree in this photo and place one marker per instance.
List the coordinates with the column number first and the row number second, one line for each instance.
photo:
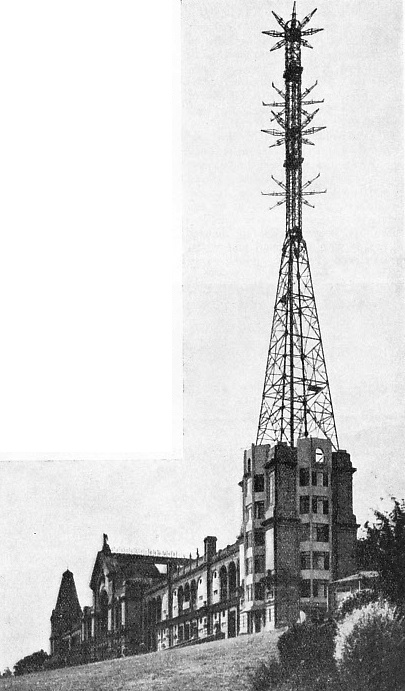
column 31, row 663
column 7, row 673
column 383, row 550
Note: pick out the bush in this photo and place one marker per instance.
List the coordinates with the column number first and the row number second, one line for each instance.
column 357, row 601
column 267, row 676
column 308, row 648
column 370, row 648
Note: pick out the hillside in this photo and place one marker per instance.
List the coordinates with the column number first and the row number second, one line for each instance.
column 223, row 665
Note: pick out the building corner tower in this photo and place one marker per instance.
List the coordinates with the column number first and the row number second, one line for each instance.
column 298, row 526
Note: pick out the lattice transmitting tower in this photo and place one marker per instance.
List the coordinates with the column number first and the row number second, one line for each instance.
column 296, row 399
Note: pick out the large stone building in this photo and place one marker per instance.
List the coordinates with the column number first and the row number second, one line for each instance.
column 298, row 534
column 298, row 528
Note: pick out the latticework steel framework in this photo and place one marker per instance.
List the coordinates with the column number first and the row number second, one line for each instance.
column 296, row 399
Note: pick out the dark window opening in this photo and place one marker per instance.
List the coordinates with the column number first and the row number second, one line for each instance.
column 305, row 560
column 260, row 538
column 304, row 504
column 322, row 533
column 304, row 477
column 259, row 483
column 259, row 591
column 259, row 509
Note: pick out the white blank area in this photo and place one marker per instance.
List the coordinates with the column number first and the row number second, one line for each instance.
column 86, row 227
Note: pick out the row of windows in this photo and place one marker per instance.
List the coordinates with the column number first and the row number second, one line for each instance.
column 258, row 564
column 318, row 532
column 259, row 538
column 317, row 504
column 255, row 592
column 320, row 479
column 258, row 479
column 258, row 512
column 319, row 588
column 320, row 560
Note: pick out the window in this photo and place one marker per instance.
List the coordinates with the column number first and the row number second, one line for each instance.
column 249, row 565
column 305, row 560
column 304, row 477
column 259, row 591
column 319, row 456
column 325, row 479
column 248, row 540
column 259, row 563
column 259, row 509
column 305, row 532
column 249, row 466
column 320, row 505
column 259, row 483
column 270, row 489
column 304, row 504
column 249, row 592
column 321, row 560
column 320, row 588
column 314, row 478
column 249, row 512
column 321, row 533
column 305, row 588
column 259, row 537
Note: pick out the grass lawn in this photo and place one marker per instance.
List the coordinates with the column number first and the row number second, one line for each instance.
column 218, row 666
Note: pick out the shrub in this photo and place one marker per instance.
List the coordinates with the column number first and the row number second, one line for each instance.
column 308, row 647
column 267, row 676
column 370, row 648
column 306, row 654
column 357, row 601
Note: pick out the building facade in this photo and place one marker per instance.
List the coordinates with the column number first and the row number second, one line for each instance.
column 298, row 534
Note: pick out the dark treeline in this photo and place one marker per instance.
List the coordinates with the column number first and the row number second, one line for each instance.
column 31, row 663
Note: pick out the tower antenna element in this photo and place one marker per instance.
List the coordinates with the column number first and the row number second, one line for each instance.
column 296, row 399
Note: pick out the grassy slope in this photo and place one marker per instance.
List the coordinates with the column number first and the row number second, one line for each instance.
column 220, row 665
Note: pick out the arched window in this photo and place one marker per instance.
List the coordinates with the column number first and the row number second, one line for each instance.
column 193, row 595
column 232, row 579
column 180, row 599
column 319, row 456
column 103, row 611
column 223, row 581
column 159, row 608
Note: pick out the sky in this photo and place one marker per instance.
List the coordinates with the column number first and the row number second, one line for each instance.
column 92, row 211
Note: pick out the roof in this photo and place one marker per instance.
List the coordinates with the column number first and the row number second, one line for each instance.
column 128, row 565
column 67, row 613
column 360, row 575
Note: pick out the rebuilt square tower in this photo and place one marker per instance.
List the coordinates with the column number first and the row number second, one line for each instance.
column 298, row 528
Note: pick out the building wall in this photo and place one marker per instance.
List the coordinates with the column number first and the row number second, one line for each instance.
column 298, row 534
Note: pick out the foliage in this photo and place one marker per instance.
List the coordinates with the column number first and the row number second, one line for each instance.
column 267, row 676
column 383, row 549
column 370, row 648
column 307, row 647
column 31, row 663
column 7, row 673
column 357, row 601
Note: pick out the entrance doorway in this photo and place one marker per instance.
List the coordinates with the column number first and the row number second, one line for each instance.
column 232, row 624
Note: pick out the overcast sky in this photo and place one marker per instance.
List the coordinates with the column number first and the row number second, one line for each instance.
column 85, row 271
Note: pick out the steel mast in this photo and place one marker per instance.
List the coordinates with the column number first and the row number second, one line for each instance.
column 296, row 398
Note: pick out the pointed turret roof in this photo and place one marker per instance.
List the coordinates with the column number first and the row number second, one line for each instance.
column 67, row 613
